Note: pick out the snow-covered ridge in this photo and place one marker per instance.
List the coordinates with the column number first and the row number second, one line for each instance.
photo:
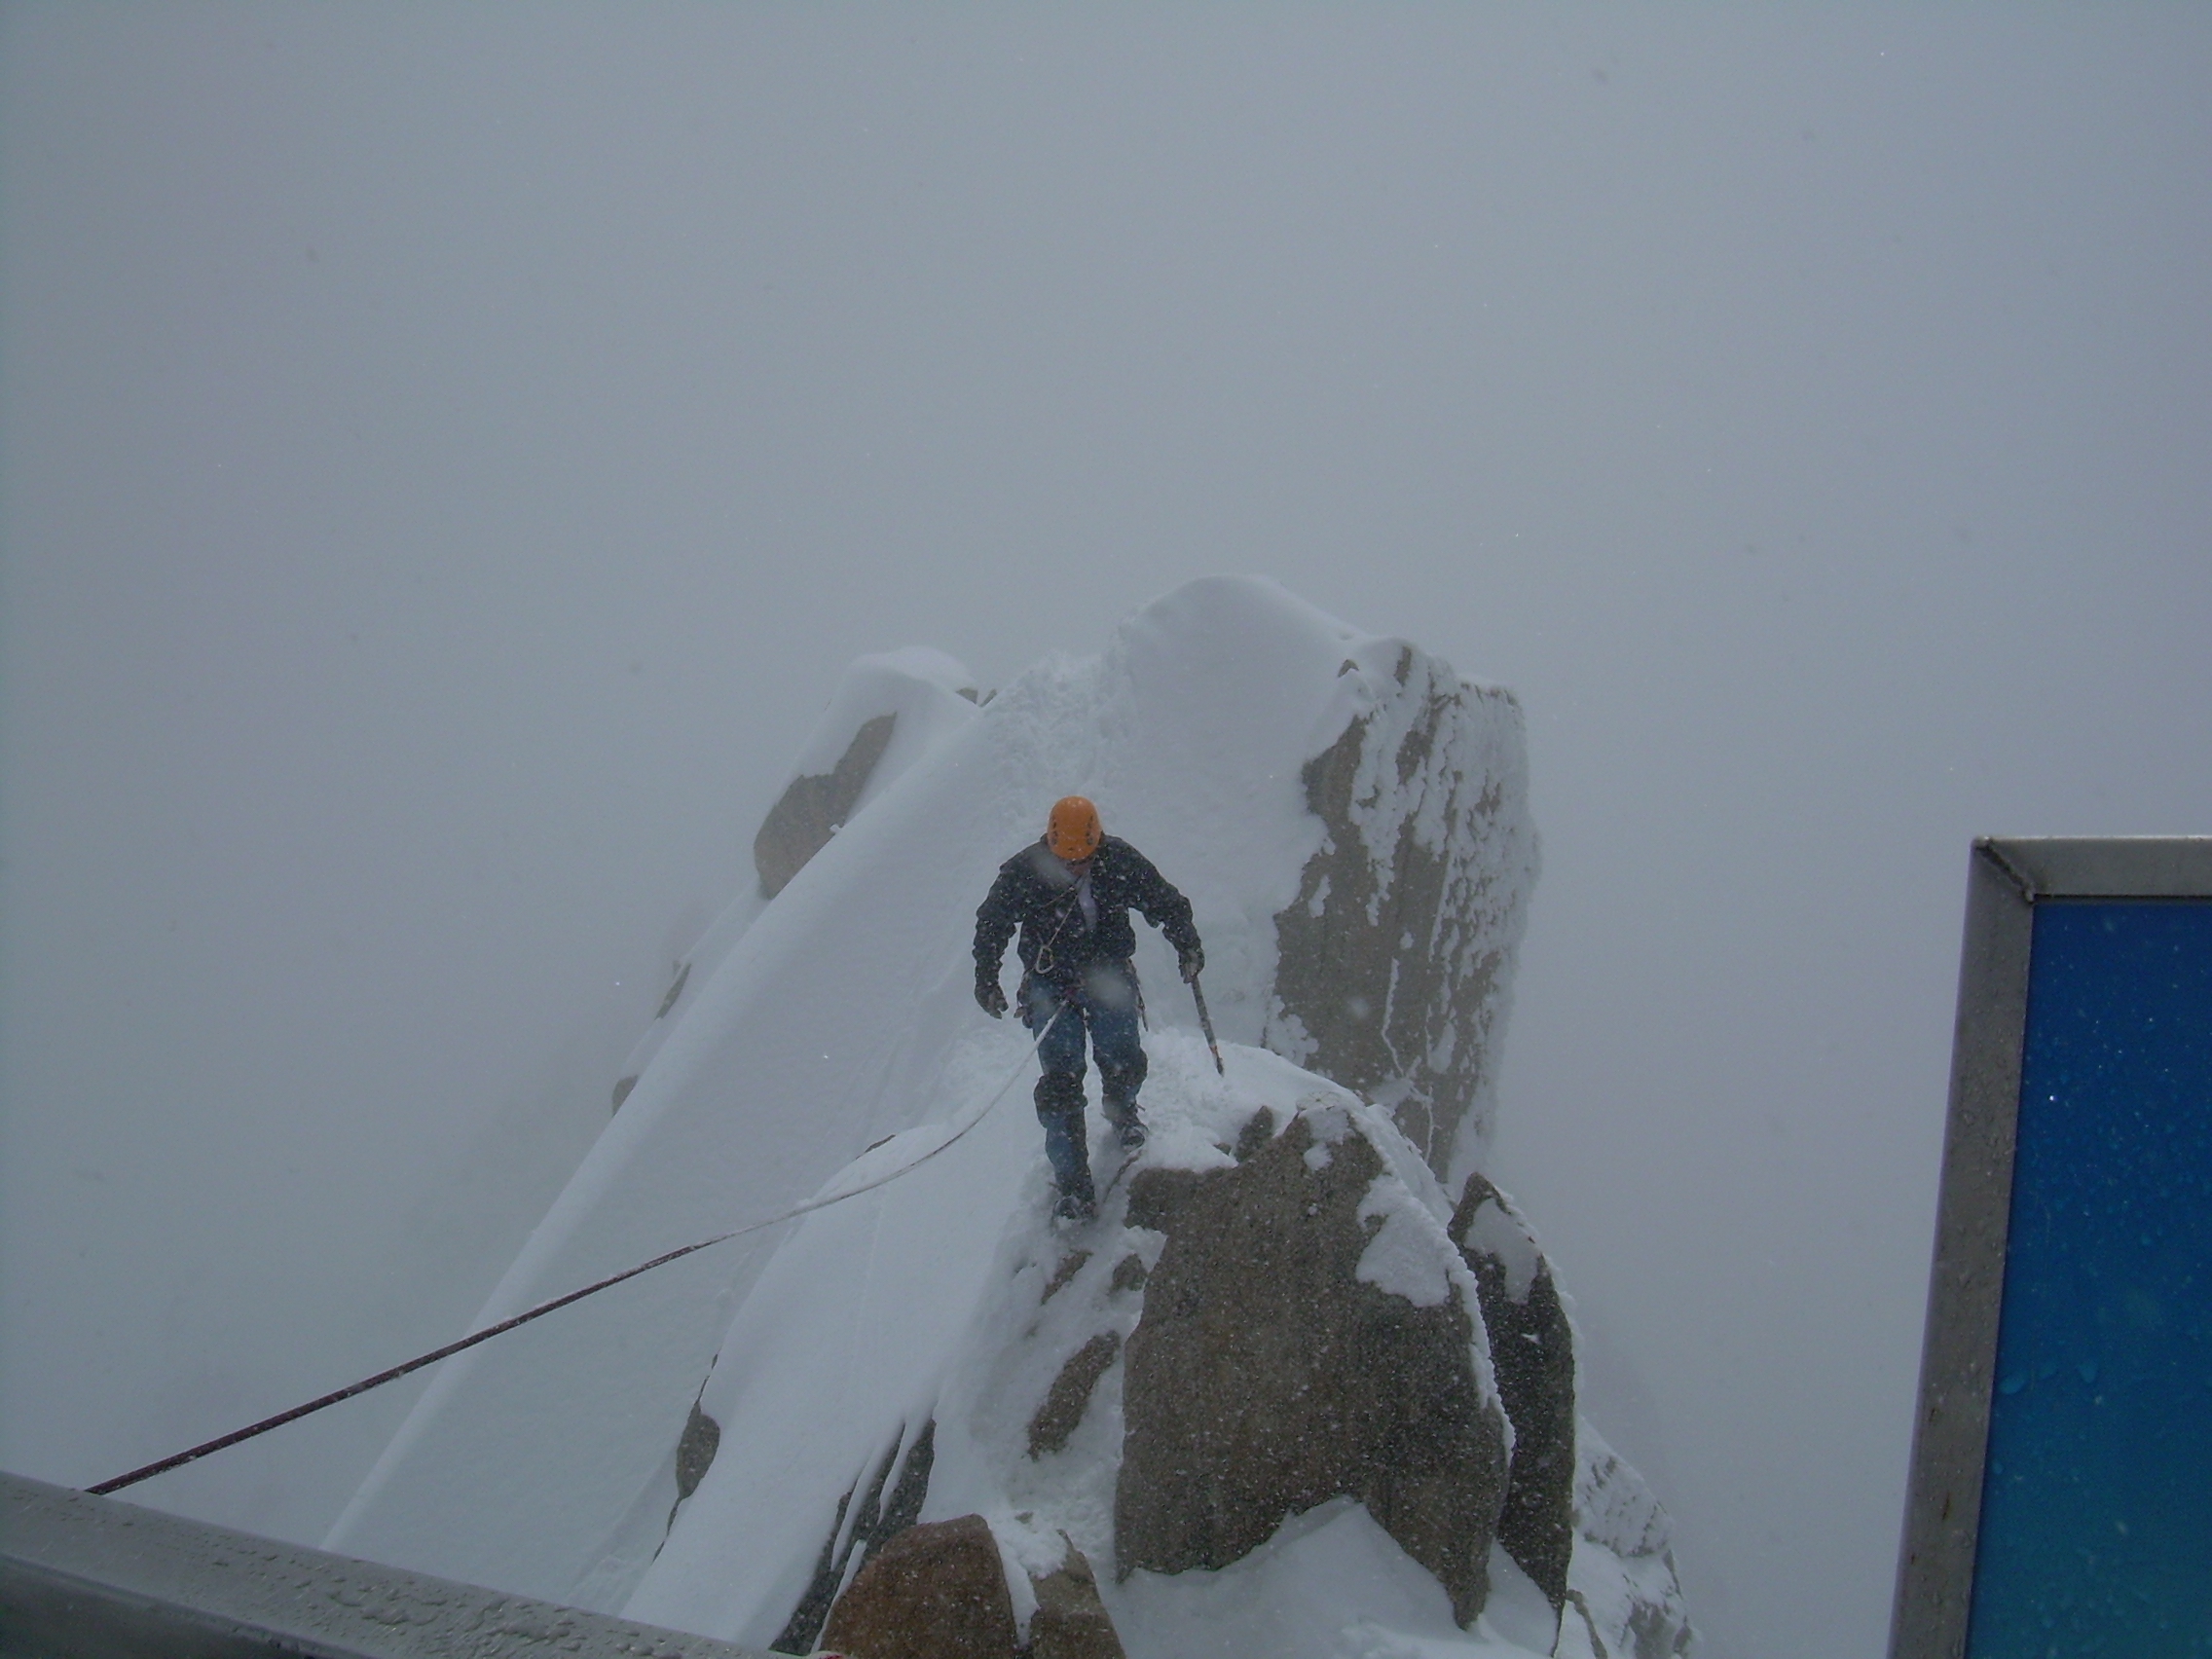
column 702, row 1446
column 888, row 713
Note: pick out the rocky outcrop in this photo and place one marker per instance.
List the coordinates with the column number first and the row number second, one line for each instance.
column 695, row 1449
column 1071, row 1622
column 914, row 696
column 1270, row 1374
column 939, row 1592
column 1624, row 1599
column 888, row 712
column 1070, row 1394
column 933, row 1592
column 1531, row 1350
column 812, row 809
column 879, row 1518
column 1304, row 1320
column 1393, row 961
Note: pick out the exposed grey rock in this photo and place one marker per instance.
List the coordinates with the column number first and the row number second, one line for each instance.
column 1532, row 1352
column 1393, row 961
column 1071, row 1622
column 940, row 1590
column 629, row 1079
column 675, row 991
column 878, row 1521
column 1070, row 1394
column 1259, row 1129
column 932, row 1592
column 695, row 1450
column 1266, row 1378
column 812, row 809
column 1071, row 1264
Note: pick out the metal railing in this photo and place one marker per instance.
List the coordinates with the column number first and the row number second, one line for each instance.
column 84, row 1577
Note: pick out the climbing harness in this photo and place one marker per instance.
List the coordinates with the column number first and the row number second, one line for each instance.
column 1045, row 957
column 822, row 1200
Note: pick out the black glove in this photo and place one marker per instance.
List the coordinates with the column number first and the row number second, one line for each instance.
column 1191, row 961
column 990, row 998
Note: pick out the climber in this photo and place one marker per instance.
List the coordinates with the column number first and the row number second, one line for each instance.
column 1070, row 894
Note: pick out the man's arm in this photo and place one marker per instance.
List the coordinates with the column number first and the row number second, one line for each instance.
column 1159, row 902
column 996, row 918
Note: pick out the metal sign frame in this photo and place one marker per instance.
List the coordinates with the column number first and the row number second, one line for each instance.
column 2006, row 879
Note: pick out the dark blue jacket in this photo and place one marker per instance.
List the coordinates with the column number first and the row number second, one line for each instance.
column 1035, row 893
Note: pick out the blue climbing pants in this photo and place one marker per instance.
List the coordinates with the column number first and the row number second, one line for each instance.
column 1103, row 1006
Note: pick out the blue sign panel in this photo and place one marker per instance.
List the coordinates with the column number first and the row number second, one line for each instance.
column 2097, row 1518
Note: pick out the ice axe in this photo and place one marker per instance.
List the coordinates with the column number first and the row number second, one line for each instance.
column 1205, row 1024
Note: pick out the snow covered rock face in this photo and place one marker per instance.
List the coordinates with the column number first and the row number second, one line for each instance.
column 815, row 807
column 1625, row 1602
column 1393, row 959
column 888, row 713
column 1275, row 1367
column 1273, row 1351
column 1531, row 1348
column 724, row 1445
column 889, row 1507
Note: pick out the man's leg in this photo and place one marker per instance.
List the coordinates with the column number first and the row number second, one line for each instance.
column 1060, row 1090
column 1111, row 993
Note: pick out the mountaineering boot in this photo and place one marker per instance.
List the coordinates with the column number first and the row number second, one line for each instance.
column 1075, row 1206
column 1127, row 1125
column 1074, row 1199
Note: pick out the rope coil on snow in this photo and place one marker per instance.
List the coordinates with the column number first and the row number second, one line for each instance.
column 818, row 1202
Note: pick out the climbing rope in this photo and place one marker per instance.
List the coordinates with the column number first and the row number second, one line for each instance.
column 818, row 1202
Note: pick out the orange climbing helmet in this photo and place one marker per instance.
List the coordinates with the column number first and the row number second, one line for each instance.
column 1073, row 833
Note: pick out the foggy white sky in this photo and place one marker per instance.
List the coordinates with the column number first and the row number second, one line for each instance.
column 447, row 456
